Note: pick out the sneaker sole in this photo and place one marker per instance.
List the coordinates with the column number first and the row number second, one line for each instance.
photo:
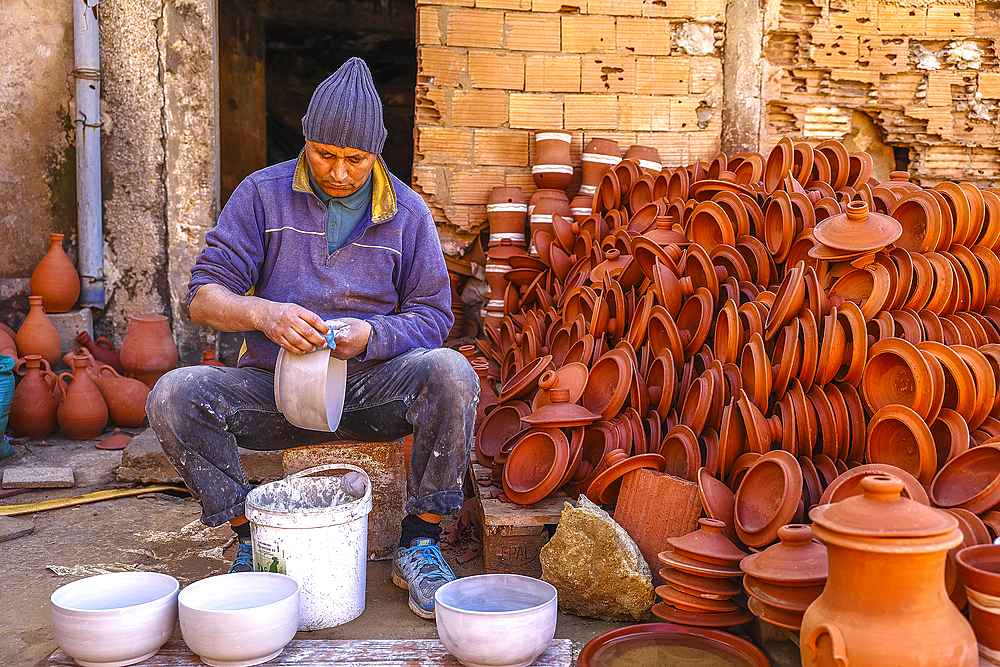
column 399, row 581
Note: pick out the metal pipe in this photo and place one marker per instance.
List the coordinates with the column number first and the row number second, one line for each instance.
column 90, row 263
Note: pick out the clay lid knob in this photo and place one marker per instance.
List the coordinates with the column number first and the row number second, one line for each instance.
column 795, row 535
column 617, row 456
column 711, row 525
column 559, row 395
column 899, row 176
column 663, row 223
column 548, row 380
column 612, row 254
column 506, row 241
column 882, row 487
column 857, row 212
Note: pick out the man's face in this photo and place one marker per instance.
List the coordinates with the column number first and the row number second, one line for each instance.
column 339, row 171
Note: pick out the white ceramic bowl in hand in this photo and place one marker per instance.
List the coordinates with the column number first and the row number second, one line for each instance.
column 496, row 620
column 116, row 619
column 241, row 619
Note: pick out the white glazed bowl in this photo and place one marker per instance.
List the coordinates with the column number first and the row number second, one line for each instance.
column 236, row 620
column 116, row 619
column 496, row 620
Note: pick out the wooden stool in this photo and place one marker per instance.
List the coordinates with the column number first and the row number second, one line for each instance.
column 385, row 465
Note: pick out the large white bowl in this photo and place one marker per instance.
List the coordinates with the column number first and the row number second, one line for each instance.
column 117, row 619
column 496, row 620
column 241, row 619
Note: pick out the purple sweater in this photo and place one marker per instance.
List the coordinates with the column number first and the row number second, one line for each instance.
column 270, row 241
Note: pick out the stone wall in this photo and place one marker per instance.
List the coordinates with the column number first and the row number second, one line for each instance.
column 492, row 72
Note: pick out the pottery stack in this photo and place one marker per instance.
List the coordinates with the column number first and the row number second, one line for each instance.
column 507, row 212
column 702, row 571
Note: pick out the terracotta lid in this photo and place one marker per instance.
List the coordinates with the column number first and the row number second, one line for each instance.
column 560, row 413
column 708, row 544
column 858, row 230
column 116, row 441
column 797, row 560
column 882, row 512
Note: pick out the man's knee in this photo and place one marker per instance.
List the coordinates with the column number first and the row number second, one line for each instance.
column 450, row 370
column 173, row 392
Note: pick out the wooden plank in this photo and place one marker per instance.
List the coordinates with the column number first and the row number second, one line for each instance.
column 337, row 653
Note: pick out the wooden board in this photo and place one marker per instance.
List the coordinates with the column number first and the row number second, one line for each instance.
column 337, row 653
column 513, row 535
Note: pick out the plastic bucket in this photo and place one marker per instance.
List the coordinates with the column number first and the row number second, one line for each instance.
column 298, row 528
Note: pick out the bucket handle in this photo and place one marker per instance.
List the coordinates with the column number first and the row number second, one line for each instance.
column 325, row 467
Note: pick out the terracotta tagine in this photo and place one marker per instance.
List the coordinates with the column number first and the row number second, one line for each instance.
column 82, row 414
column 115, row 441
column 858, row 230
column 101, row 349
column 560, row 413
column 148, row 350
column 36, row 334
column 885, row 601
column 708, row 544
column 125, row 397
column 536, row 465
column 36, row 399
column 768, row 498
column 55, row 278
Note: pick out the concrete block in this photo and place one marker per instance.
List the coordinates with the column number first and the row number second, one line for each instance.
column 37, row 478
column 13, row 527
column 143, row 462
column 70, row 324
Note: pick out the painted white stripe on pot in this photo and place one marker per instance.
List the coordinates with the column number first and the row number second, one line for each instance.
column 588, row 189
column 649, row 164
column 554, row 136
column 513, row 236
column 602, row 158
column 494, row 304
column 552, row 169
column 542, row 219
column 580, row 211
column 497, row 268
column 505, row 207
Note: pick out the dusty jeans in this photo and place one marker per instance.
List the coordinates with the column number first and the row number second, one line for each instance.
column 202, row 413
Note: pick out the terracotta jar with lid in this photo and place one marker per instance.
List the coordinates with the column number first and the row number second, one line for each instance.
column 885, row 601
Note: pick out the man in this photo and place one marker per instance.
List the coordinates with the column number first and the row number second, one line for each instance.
column 328, row 236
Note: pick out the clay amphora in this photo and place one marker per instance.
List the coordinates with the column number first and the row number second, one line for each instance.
column 102, row 350
column 208, row 359
column 37, row 335
column 36, row 399
column 55, row 278
column 885, row 601
column 82, row 414
column 125, row 397
column 148, row 350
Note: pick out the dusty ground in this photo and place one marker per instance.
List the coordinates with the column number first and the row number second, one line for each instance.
column 162, row 533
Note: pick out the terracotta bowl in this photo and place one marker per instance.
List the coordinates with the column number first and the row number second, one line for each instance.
column 768, row 498
column 899, row 436
column 536, row 465
column 971, row 480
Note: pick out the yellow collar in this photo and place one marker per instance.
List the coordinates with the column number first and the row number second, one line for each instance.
column 383, row 194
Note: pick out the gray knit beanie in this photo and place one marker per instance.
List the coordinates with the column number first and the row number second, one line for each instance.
column 345, row 110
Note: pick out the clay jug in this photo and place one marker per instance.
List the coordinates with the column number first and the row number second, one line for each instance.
column 101, row 349
column 148, row 350
column 82, row 414
column 55, row 278
column 125, row 397
column 208, row 359
column 36, row 399
column 37, row 335
column 885, row 601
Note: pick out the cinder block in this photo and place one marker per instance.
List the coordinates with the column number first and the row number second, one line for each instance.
column 70, row 324
column 552, row 74
column 472, row 186
column 682, row 114
column 663, row 76
column 535, row 111
column 901, row 20
column 885, row 55
column 508, row 148
column 37, row 478
column 591, row 112
column 441, row 66
column 585, row 34
column 479, row 108
column 12, row 527
column 607, row 74
column 950, row 21
column 533, row 32
column 834, row 50
column 705, row 74
column 643, row 36
column 475, row 27
column 444, row 145
column 429, row 26
column 488, row 69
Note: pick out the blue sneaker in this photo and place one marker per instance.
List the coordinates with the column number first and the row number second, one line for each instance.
column 422, row 570
column 244, row 556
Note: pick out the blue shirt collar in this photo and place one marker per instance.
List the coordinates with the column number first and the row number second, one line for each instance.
column 354, row 201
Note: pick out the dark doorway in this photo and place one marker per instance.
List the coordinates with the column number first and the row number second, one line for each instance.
column 273, row 54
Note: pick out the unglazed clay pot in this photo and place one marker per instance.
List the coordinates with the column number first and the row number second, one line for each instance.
column 979, row 572
column 82, row 414
column 148, row 350
column 506, row 210
column 101, row 349
column 885, row 601
column 552, row 168
column 37, row 335
column 536, row 465
column 125, row 397
column 36, row 399
column 55, row 278
column 599, row 155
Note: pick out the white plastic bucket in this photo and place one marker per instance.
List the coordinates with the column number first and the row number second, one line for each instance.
column 297, row 531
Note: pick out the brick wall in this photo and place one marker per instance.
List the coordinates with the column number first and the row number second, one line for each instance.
column 492, row 72
column 926, row 73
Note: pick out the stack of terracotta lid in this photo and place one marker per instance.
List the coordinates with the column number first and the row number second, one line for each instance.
column 854, row 236
column 702, row 571
column 784, row 579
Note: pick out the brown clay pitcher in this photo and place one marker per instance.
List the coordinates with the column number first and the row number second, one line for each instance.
column 37, row 335
column 101, row 349
column 36, row 399
column 55, row 278
column 148, row 350
column 125, row 397
column 83, row 414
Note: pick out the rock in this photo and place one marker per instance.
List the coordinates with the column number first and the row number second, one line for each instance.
column 12, row 528
column 37, row 478
column 596, row 567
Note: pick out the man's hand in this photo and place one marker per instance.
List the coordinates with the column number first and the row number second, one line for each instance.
column 352, row 337
column 293, row 327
